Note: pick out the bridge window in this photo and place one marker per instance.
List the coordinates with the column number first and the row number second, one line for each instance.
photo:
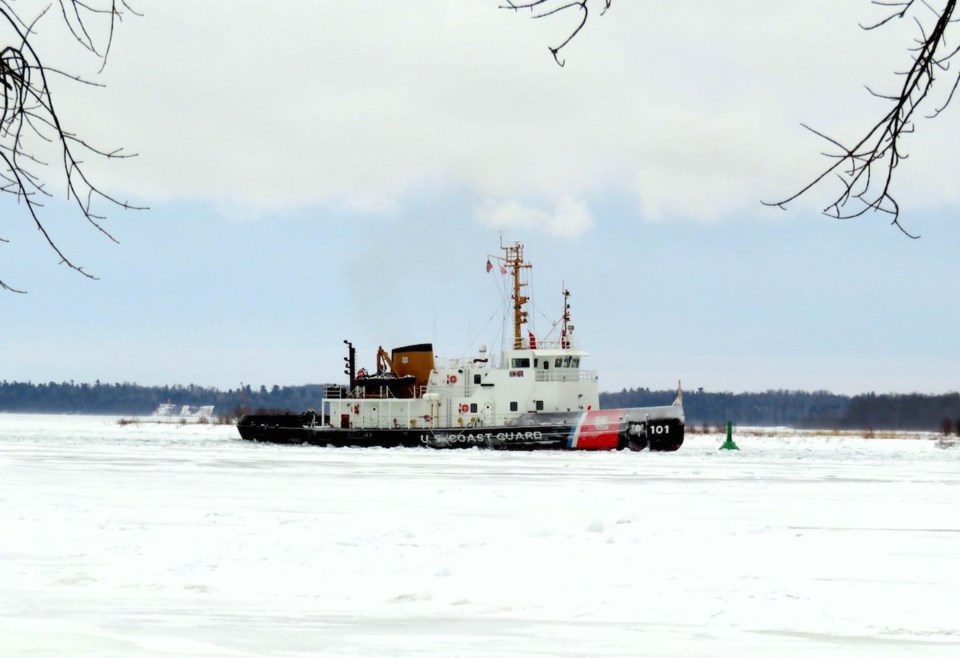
column 575, row 363
column 521, row 362
column 559, row 362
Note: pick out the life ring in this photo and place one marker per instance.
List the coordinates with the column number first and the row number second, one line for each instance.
column 464, row 408
column 452, row 379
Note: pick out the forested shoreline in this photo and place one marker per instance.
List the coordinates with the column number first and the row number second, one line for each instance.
column 805, row 410
column 799, row 409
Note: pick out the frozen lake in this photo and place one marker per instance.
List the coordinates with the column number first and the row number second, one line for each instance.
column 147, row 541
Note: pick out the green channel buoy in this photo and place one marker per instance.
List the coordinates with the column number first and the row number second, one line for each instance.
column 729, row 444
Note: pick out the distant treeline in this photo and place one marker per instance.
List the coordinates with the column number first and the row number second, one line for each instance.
column 800, row 409
column 136, row 400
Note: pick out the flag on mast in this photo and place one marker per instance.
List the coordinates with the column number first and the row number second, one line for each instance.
column 489, row 266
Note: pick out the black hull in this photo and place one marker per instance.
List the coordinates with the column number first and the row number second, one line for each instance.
column 662, row 434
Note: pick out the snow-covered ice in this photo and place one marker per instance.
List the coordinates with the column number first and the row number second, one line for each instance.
column 167, row 540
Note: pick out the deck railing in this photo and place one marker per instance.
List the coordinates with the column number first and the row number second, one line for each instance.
column 565, row 375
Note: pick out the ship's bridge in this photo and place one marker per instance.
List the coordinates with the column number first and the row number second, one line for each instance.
column 550, row 364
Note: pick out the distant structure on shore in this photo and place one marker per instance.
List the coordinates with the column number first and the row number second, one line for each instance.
column 170, row 410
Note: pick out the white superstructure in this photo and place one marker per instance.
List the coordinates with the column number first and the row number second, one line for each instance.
column 474, row 393
column 528, row 378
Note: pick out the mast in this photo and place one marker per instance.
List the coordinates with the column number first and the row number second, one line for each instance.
column 350, row 364
column 513, row 258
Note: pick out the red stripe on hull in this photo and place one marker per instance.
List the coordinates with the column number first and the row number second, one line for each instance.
column 600, row 430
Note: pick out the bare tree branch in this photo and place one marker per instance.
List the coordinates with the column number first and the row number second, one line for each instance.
column 865, row 170
column 544, row 8
column 30, row 121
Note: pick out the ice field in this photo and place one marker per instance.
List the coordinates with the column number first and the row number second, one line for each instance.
column 149, row 540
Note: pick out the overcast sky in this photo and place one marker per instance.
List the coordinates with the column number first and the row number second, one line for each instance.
column 322, row 170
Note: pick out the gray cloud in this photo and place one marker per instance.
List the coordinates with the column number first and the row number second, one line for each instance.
column 691, row 108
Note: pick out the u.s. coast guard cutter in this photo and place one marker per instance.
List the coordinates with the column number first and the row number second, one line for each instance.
column 536, row 395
